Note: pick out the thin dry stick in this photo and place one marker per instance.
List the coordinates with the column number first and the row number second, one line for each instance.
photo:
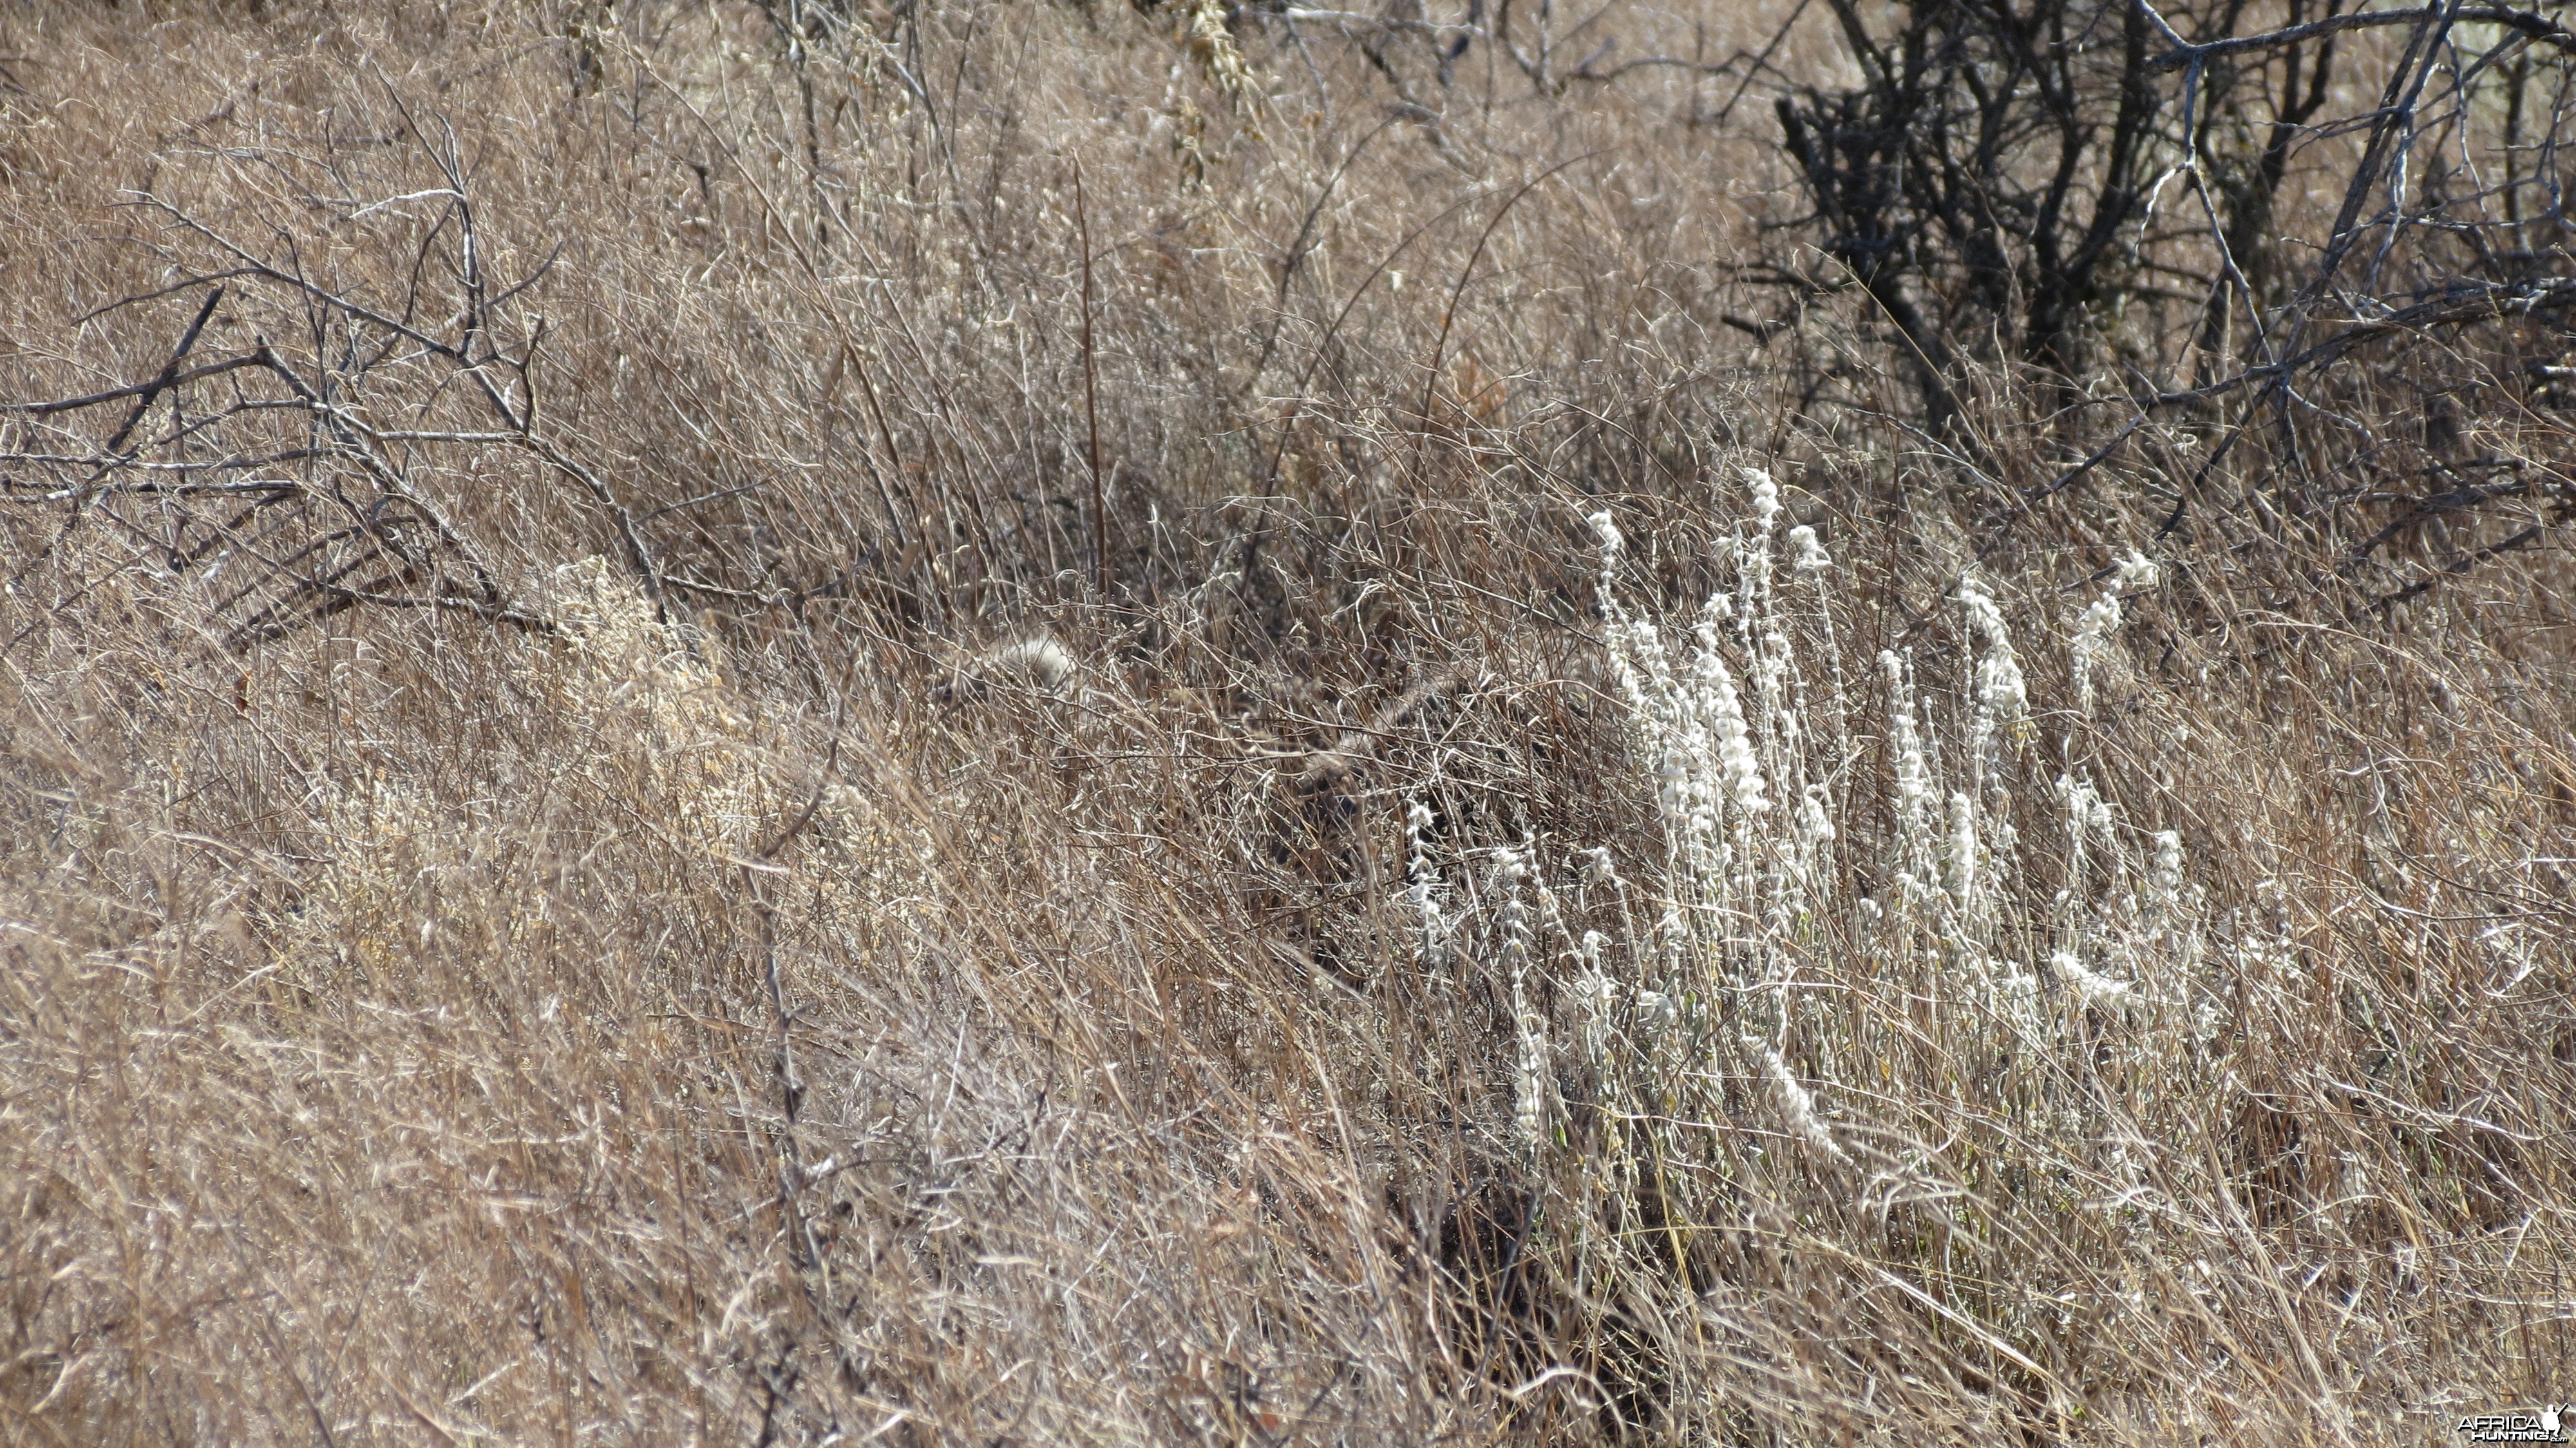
column 1323, row 345
column 1449, row 315
column 1297, row 250
column 1091, row 401
column 803, row 1250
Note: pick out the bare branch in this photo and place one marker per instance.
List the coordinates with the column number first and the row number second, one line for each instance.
column 2536, row 28
column 146, row 390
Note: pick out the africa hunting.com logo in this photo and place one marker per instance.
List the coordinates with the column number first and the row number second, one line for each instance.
column 2543, row 1426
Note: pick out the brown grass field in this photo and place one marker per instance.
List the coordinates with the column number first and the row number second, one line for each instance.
column 1012, row 723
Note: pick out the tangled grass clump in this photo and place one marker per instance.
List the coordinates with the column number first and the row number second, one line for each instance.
column 1004, row 724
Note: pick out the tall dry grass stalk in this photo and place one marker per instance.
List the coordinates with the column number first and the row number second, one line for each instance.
column 584, row 862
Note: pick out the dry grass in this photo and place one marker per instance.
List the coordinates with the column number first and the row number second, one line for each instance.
column 695, row 970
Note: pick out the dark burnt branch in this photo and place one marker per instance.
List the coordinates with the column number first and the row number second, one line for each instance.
column 2531, row 27
column 1991, row 180
column 2514, row 542
column 144, row 390
column 303, row 463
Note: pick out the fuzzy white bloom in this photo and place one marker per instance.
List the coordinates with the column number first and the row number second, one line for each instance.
column 2001, row 696
column 2092, row 645
column 1753, row 699
column 2097, row 626
column 2087, row 818
column 1985, row 616
column 1655, row 1010
column 1905, row 741
column 2095, row 815
column 1628, row 658
column 2164, row 883
column 2078, row 796
column 1607, row 531
column 1672, row 778
column 1529, row 1097
column 1815, row 826
column 1734, row 741
column 1766, row 499
column 1597, row 994
column 1773, row 676
column 1809, row 555
column 1962, row 877
column 1038, row 663
column 1800, row 1108
column 1599, row 867
column 2090, row 988
column 1752, row 555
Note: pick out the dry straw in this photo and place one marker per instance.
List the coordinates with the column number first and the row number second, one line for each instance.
column 682, row 773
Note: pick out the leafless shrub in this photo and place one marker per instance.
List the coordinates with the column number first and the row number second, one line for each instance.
column 2099, row 188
